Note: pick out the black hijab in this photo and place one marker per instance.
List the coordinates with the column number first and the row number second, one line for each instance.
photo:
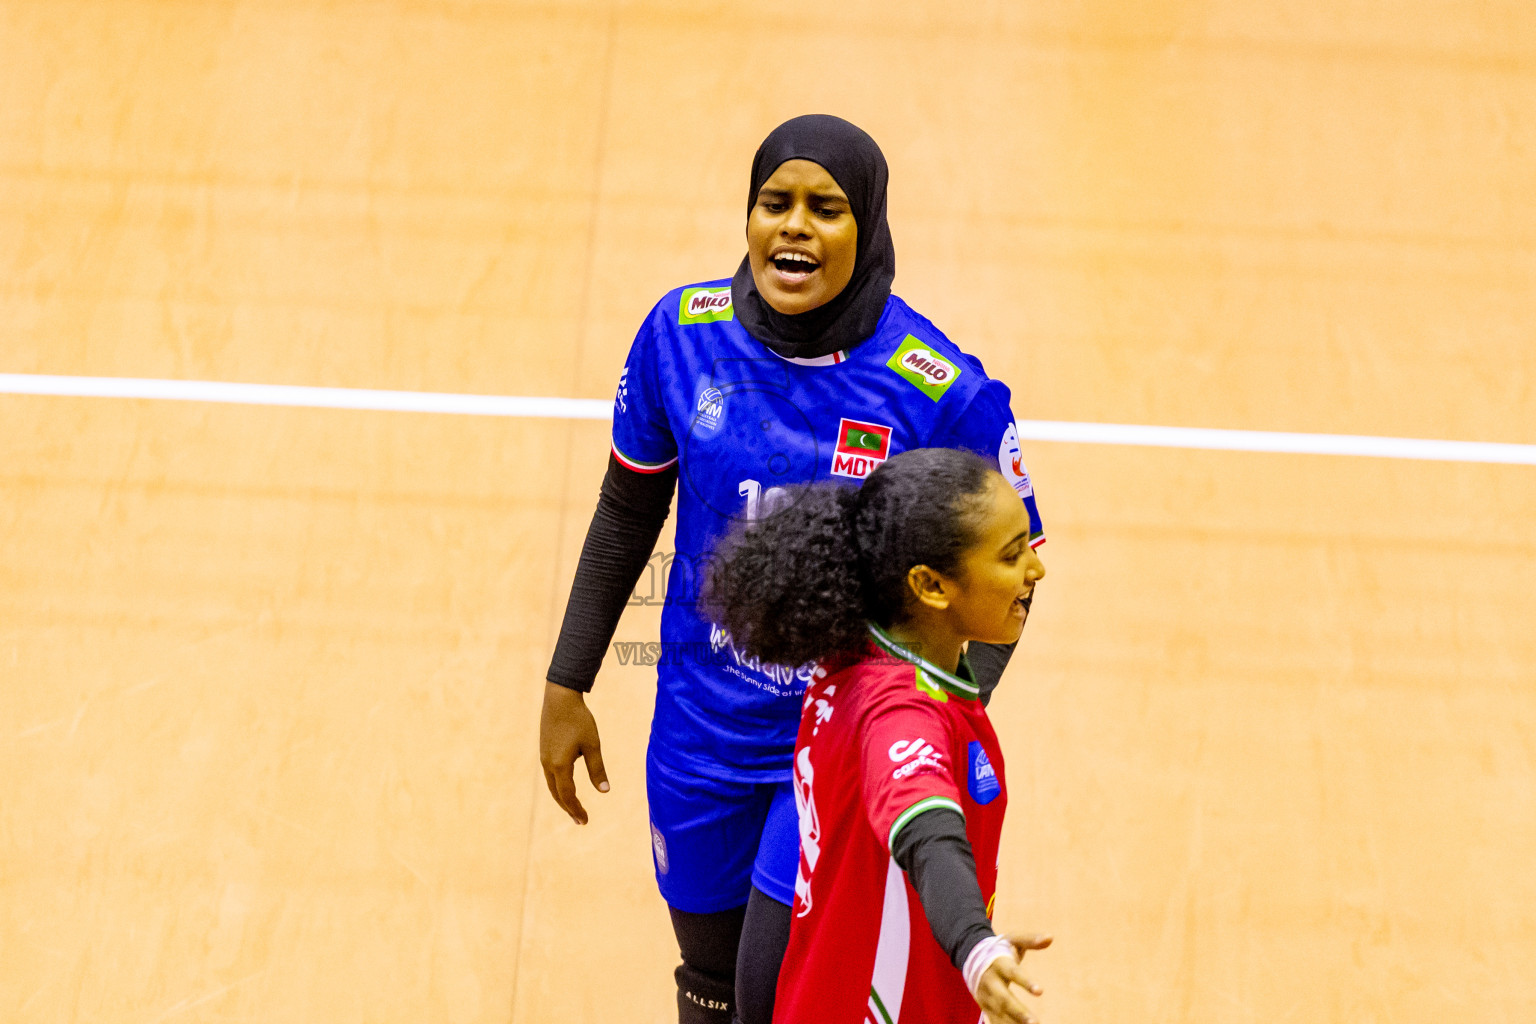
column 857, row 165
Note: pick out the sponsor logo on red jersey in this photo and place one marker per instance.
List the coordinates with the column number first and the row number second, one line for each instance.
column 918, row 754
column 860, row 448
column 903, row 749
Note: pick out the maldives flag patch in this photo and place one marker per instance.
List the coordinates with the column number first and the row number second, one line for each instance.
column 860, row 448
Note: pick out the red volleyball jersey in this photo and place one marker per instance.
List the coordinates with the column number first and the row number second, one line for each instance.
column 880, row 742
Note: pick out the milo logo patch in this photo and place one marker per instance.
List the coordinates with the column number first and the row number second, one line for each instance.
column 930, row 367
column 705, row 305
column 918, row 363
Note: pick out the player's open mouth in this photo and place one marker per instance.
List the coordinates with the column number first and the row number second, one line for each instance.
column 794, row 267
column 1021, row 605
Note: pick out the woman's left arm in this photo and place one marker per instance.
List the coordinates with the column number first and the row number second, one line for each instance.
column 933, row 851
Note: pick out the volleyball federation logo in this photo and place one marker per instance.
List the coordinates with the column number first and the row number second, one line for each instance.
column 860, row 448
column 983, row 782
column 710, row 407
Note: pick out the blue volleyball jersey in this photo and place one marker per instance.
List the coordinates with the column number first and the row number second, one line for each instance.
column 743, row 424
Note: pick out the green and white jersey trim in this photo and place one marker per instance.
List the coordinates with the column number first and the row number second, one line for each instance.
column 888, row 980
column 927, row 671
column 925, row 804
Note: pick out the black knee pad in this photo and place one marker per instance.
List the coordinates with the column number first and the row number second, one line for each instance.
column 703, row 997
column 709, row 941
column 706, row 983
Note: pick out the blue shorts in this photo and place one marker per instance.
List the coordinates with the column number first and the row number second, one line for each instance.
column 712, row 839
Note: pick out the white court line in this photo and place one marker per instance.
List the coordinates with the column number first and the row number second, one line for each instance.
column 602, row 409
column 308, row 397
column 1275, row 441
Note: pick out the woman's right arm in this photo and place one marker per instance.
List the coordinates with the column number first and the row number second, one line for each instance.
column 631, row 509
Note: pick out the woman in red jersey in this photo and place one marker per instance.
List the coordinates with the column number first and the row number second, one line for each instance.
column 898, row 774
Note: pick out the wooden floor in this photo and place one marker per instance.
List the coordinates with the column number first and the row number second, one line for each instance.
column 269, row 678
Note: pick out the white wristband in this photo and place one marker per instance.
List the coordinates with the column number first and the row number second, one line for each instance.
column 981, row 957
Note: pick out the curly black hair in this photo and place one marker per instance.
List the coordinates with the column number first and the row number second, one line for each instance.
column 799, row 584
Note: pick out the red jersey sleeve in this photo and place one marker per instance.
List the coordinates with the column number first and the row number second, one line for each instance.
column 907, row 761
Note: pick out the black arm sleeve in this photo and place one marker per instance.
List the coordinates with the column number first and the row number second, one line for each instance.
column 631, row 509
column 987, row 663
column 933, row 851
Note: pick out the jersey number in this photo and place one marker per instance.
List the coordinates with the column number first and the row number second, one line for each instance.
column 759, row 501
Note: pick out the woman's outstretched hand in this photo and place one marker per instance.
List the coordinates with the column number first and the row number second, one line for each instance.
column 994, row 994
column 567, row 731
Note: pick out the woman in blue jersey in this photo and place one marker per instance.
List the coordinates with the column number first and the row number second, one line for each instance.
column 802, row 368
